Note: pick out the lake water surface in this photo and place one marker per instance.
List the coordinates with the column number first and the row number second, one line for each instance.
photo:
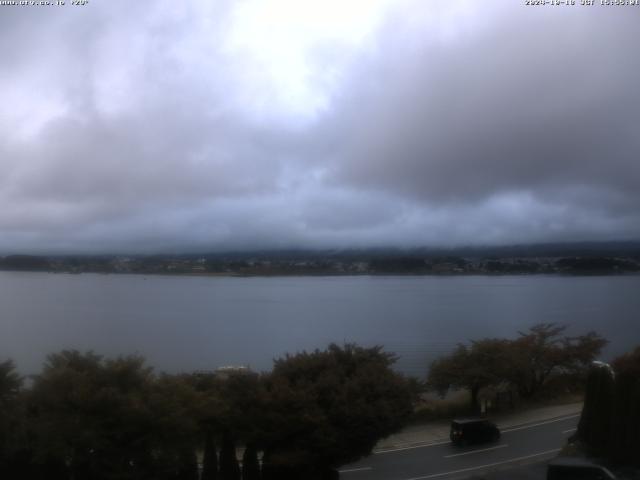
column 186, row 323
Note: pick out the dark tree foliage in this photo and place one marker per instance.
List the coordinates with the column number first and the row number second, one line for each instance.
column 610, row 421
column 521, row 266
column 595, row 265
column 229, row 468
column 543, row 351
column 284, row 471
column 242, row 402
column 625, row 426
column 595, row 422
column 330, row 407
column 526, row 363
column 87, row 417
column 399, row 265
column 11, row 418
column 481, row 364
column 188, row 465
column 48, row 469
column 110, row 418
column 210, row 458
column 10, row 382
column 24, row 262
column 250, row 464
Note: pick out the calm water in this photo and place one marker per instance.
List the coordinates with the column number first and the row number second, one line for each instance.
column 186, row 323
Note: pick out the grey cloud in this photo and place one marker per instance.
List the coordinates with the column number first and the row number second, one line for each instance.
column 141, row 133
column 532, row 102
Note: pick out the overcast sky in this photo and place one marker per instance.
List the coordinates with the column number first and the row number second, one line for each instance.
column 159, row 125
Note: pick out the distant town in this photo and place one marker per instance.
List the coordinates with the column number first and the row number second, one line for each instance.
column 598, row 258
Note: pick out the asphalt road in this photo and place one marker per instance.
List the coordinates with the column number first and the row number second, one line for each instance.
column 518, row 445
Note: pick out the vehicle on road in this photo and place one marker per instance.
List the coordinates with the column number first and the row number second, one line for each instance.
column 576, row 468
column 465, row 431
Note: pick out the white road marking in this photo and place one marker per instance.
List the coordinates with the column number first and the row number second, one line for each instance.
column 355, row 470
column 389, row 450
column 548, row 452
column 541, row 423
column 570, row 430
column 475, row 451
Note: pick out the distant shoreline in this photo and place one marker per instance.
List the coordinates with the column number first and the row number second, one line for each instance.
column 283, row 264
column 334, row 274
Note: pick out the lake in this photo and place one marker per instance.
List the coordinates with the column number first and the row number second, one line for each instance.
column 182, row 323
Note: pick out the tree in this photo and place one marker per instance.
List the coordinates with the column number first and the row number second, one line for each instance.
column 610, row 421
column 250, row 464
column 229, row 468
column 10, row 382
column 65, row 432
column 111, row 418
column 482, row 364
column 543, row 352
column 625, row 428
column 209, row 413
column 11, row 417
column 210, row 459
column 594, row 427
column 328, row 408
column 526, row 363
column 242, row 400
column 188, row 465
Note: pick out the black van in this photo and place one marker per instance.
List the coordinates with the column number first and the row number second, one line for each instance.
column 473, row 430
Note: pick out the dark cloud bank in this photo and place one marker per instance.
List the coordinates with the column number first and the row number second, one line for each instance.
column 145, row 128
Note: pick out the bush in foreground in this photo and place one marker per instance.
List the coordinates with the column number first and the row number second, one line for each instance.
column 610, row 421
column 331, row 407
column 86, row 416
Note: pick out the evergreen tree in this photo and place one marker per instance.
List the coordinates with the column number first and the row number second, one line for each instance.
column 210, row 460
column 188, row 465
column 594, row 427
column 11, row 415
column 250, row 464
column 229, row 468
column 625, row 426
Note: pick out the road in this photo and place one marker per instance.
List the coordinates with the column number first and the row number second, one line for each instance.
column 443, row 461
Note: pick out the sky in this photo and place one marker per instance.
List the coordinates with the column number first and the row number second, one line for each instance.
column 166, row 126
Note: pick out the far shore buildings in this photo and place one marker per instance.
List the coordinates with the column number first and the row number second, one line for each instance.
column 225, row 372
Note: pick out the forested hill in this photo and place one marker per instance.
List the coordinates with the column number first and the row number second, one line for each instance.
column 581, row 258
